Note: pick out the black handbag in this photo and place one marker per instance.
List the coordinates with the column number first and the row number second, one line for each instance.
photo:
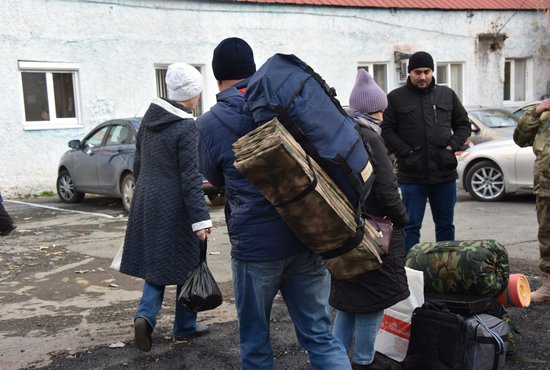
column 200, row 292
column 384, row 227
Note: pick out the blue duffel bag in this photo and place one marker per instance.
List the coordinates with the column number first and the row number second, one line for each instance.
column 287, row 88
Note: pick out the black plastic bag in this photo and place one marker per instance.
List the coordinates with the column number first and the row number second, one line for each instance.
column 200, row 292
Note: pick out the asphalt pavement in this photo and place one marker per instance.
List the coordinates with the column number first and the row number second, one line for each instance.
column 62, row 307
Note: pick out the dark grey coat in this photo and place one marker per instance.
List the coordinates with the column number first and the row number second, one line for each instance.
column 160, row 245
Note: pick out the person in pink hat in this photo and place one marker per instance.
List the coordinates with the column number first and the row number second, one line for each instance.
column 360, row 301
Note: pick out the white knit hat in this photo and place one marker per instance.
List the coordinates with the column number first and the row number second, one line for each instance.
column 184, row 82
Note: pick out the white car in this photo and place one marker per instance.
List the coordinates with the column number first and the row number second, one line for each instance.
column 491, row 170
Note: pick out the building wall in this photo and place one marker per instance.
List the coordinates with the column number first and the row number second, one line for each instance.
column 117, row 44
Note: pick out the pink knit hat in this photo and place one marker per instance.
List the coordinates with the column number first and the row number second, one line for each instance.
column 366, row 96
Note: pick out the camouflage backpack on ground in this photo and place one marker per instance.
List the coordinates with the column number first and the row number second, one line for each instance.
column 470, row 267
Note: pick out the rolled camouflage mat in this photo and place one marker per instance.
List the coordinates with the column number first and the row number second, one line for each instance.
column 468, row 267
column 310, row 203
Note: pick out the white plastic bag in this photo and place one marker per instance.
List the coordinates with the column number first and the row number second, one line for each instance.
column 115, row 265
column 393, row 337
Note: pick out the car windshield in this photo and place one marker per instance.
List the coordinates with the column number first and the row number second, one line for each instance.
column 495, row 118
column 520, row 111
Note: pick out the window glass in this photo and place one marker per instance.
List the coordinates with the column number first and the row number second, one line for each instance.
column 450, row 74
column 133, row 137
column 456, row 80
column 495, row 119
column 118, row 135
column 514, row 79
column 519, row 80
column 35, row 95
column 64, row 95
column 160, row 74
column 379, row 74
column 442, row 75
column 507, row 80
column 97, row 138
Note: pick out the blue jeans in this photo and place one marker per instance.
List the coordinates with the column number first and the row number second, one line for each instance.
column 151, row 302
column 442, row 198
column 365, row 327
column 304, row 283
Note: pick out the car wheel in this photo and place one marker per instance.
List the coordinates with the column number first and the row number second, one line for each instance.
column 127, row 186
column 216, row 199
column 485, row 182
column 66, row 189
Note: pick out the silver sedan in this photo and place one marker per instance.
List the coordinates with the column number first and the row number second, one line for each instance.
column 491, row 170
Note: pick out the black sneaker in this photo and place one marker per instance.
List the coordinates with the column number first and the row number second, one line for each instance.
column 142, row 334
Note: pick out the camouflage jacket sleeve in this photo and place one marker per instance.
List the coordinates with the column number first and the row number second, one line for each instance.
column 536, row 132
column 526, row 130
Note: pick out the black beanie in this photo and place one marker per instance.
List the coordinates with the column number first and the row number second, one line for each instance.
column 420, row 59
column 233, row 60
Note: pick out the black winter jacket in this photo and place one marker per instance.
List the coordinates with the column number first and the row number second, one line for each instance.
column 418, row 126
column 378, row 289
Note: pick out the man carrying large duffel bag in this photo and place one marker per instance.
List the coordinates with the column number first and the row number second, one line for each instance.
column 266, row 255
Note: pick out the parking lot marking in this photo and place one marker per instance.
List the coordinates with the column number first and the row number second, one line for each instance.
column 42, row 275
column 59, row 209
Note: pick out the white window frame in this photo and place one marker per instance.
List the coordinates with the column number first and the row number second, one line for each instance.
column 513, row 76
column 452, row 83
column 49, row 68
column 369, row 67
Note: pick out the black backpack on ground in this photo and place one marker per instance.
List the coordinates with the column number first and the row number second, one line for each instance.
column 438, row 339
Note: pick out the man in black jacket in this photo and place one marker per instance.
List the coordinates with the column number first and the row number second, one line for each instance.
column 424, row 125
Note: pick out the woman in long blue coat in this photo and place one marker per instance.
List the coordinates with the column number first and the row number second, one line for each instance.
column 168, row 214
